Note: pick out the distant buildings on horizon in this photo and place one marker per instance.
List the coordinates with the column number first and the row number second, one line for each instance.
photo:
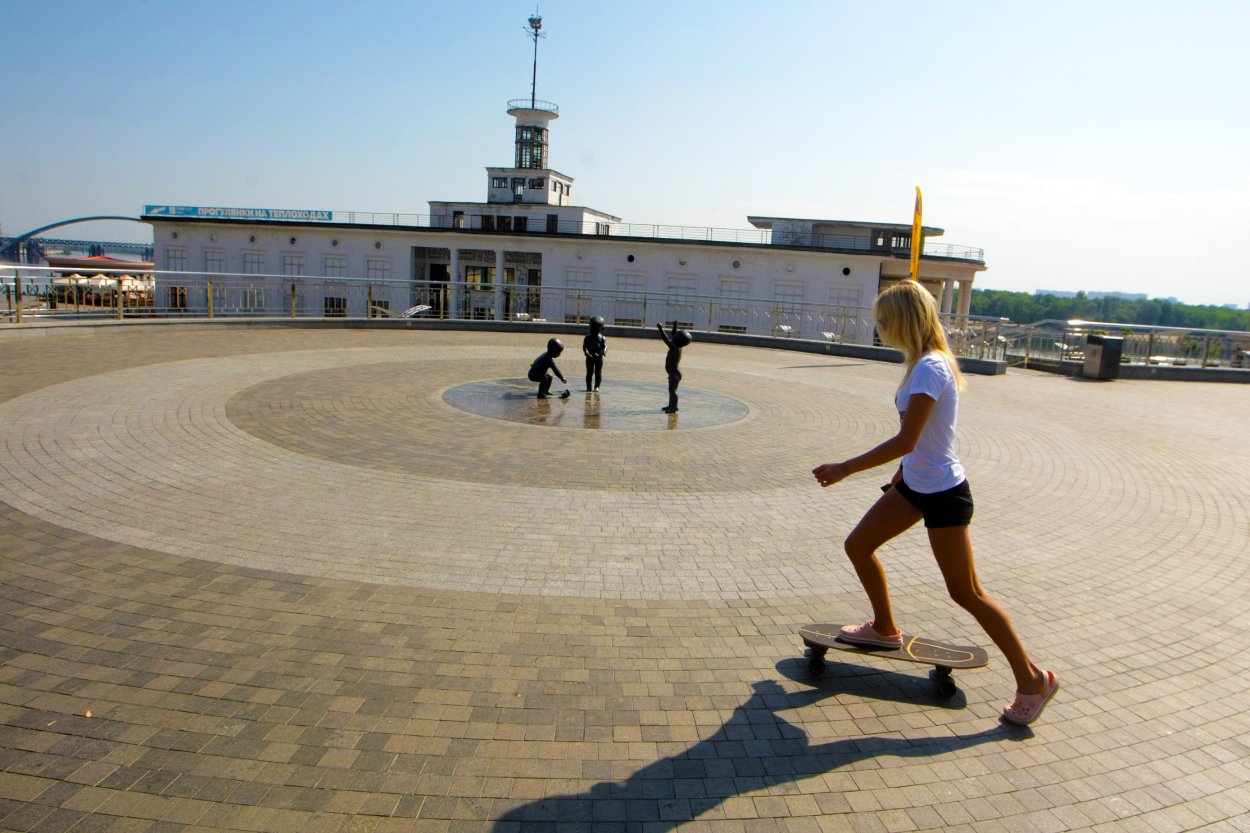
column 1127, row 296
column 1124, row 296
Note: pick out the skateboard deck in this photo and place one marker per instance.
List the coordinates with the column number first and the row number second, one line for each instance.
column 944, row 656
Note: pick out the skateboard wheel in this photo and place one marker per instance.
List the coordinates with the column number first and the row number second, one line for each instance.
column 815, row 666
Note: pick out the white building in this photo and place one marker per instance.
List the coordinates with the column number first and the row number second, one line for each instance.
column 558, row 261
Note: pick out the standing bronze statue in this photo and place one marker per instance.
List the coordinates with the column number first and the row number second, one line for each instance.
column 676, row 341
column 594, row 346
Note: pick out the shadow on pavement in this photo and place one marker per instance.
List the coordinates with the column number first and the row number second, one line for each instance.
column 872, row 683
column 753, row 750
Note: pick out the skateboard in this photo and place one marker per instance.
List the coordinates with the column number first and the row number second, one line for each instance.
column 943, row 655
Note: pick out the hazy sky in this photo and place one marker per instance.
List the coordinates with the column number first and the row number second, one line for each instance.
column 1083, row 145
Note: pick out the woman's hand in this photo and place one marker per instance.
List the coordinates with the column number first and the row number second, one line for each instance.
column 827, row 474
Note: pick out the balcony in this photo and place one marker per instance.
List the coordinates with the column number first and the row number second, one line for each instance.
column 533, row 104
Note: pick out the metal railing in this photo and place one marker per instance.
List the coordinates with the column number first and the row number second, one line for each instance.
column 1057, row 341
column 652, row 231
column 41, row 293
column 533, row 104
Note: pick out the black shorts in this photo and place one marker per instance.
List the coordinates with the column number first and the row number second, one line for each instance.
column 952, row 507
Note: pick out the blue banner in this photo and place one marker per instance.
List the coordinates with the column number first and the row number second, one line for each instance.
column 295, row 214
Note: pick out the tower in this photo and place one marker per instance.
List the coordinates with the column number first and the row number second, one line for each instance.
column 530, row 179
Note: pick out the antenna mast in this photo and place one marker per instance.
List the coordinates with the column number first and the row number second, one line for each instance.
column 536, row 23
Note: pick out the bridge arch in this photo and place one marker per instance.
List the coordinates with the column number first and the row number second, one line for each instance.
column 12, row 249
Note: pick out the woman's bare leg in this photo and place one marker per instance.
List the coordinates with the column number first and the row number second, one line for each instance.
column 888, row 518
column 952, row 547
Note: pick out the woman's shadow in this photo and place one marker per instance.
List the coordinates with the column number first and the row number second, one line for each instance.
column 753, row 750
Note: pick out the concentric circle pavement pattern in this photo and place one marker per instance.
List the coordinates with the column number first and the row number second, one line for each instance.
column 362, row 580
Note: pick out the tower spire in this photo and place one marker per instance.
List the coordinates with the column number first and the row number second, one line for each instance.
column 534, row 31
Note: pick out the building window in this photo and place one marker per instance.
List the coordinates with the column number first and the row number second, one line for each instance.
column 680, row 286
column 499, row 182
column 629, row 282
column 733, row 316
column 520, row 223
column 505, row 224
column 214, row 261
column 538, row 183
column 789, row 297
column 488, row 222
column 531, row 146
column 254, row 263
column 680, row 305
column 380, row 309
column 176, row 260
column 336, row 266
column 601, row 228
column 630, row 305
column 553, row 223
column 843, row 296
column 178, row 297
column 378, row 268
column 254, row 298
column 578, row 280
column 734, row 289
column 292, row 264
column 335, row 306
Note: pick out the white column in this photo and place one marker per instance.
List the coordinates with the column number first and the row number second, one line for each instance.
column 500, row 307
column 965, row 297
column 948, row 295
column 457, row 284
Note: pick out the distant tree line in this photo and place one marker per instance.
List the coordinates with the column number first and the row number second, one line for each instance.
column 1023, row 308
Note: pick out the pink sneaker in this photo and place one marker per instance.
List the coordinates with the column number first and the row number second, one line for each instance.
column 866, row 634
column 1028, row 707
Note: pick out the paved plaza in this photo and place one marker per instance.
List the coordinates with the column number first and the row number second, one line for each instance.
column 321, row 580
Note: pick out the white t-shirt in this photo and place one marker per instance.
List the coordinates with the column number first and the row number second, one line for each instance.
column 933, row 465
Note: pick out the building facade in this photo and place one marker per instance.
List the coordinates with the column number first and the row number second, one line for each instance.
column 529, row 251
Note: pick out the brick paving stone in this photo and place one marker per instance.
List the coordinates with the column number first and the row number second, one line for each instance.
column 299, row 590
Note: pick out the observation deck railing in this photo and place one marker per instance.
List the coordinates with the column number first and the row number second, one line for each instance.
column 653, row 231
column 533, row 104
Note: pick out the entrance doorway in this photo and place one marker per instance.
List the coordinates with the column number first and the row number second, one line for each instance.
column 440, row 275
column 524, row 295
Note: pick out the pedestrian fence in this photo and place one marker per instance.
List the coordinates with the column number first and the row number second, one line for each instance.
column 1047, row 343
column 41, row 293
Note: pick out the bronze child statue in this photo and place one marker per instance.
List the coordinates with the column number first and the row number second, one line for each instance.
column 547, row 361
column 678, row 340
column 594, row 346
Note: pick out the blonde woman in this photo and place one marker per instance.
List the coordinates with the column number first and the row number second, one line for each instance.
column 928, row 485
